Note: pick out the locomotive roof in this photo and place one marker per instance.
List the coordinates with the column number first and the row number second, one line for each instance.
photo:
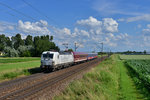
column 61, row 52
column 50, row 52
column 66, row 53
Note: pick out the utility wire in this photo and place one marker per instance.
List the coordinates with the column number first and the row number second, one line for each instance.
column 41, row 13
column 17, row 11
column 23, row 14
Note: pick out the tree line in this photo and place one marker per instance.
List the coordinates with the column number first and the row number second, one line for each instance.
column 133, row 52
column 28, row 47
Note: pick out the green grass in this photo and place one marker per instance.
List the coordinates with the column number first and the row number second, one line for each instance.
column 18, row 59
column 129, row 57
column 99, row 84
column 17, row 68
column 108, row 81
column 128, row 89
column 12, row 75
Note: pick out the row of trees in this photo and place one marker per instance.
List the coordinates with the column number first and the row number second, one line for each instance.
column 31, row 46
column 133, row 52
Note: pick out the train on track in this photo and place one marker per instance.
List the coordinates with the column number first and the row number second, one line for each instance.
column 51, row 60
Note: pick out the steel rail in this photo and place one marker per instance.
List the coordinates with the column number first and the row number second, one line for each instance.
column 30, row 90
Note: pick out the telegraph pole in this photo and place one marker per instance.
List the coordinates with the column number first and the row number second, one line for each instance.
column 102, row 49
column 75, row 46
column 66, row 45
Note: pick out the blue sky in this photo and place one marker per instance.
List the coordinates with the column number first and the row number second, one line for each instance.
column 121, row 25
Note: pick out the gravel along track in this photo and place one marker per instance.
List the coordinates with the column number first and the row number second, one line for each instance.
column 31, row 85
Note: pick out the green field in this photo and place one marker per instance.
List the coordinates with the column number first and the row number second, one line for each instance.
column 128, row 57
column 14, row 67
column 17, row 59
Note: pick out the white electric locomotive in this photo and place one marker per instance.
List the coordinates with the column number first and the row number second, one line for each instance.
column 51, row 60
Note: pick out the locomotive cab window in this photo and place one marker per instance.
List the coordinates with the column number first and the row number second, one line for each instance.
column 48, row 56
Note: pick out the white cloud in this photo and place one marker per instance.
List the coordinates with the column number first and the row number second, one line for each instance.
column 61, row 33
column 142, row 17
column 148, row 25
column 107, row 7
column 99, row 31
column 86, row 33
column 145, row 36
column 40, row 27
column 115, row 40
column 66, row 31
column 62, row 36
column 4, row 26
column 121, row 36
column 110, row 25
column 78, row 32
column 145, row 17
column 146, row 31
column 90, row 22
column 23, row 36
column 98, row 27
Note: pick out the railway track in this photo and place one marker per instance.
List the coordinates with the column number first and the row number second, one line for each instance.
column 34, row 87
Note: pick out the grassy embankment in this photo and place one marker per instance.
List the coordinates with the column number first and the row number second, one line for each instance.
column 14, row 67
column 108, row 81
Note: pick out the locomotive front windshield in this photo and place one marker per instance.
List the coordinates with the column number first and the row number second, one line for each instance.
column 48, row 56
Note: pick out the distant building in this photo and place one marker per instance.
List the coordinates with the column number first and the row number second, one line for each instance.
column 1, row 53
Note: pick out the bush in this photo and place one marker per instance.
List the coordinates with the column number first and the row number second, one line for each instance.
column 10, row 52
column 25, row 51
column 26, row 54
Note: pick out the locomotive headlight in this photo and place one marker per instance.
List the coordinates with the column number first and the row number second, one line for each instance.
column 53, row 62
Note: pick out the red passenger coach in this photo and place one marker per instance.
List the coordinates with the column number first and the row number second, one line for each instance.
column 80, row 56
column 92, row 56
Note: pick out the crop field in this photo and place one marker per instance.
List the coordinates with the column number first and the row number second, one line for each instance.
column 140, row 71
column 142, row 68
column 14, row 67
column 128, row 57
